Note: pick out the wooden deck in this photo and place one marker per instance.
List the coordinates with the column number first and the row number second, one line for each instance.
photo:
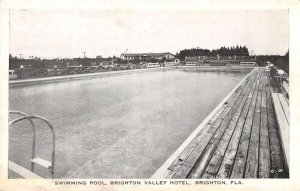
column 241, row 139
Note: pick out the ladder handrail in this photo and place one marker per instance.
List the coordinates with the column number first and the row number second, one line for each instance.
column 33, row 138
column 53, row 136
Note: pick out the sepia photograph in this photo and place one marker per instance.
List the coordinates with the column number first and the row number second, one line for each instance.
column 148, row 94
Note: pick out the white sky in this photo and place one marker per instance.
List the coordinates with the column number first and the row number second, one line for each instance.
column 67, row 33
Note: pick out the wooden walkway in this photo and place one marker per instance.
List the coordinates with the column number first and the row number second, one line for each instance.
column 241, row 140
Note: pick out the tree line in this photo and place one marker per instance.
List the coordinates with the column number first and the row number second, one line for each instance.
column 223, row 51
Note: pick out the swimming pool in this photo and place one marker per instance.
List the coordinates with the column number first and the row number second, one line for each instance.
column 120, row 126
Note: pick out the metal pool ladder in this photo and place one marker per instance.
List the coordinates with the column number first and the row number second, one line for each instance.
column 34, row 160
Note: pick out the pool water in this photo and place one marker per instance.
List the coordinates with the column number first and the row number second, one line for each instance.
column 121, row 126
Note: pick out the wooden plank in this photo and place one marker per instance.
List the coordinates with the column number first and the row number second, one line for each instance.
column 264, row 147
column 207, row 151
column 227, row 163
column 285, row 106
column 251, row 170
column 283, row 127
column 241, row 155
column 23, row 172
column 240, row 115
column 212, row 126
column 277, row 164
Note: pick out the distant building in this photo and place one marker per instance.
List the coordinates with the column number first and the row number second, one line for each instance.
column 159, row 56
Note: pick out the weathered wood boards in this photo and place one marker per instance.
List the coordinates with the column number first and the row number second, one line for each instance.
column 227, row 124
column 251, row 170
column 264, row 166
column 241, row 140
column 191, row 154
column 187, row 161
column 235, row 150
column 236, row 122
column 278, row 168
column 240, row 160
column 282, row 116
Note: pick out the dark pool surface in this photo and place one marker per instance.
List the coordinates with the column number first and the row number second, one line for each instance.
column 122, row 126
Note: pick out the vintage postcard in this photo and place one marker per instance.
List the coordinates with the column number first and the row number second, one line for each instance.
column 111, row 96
